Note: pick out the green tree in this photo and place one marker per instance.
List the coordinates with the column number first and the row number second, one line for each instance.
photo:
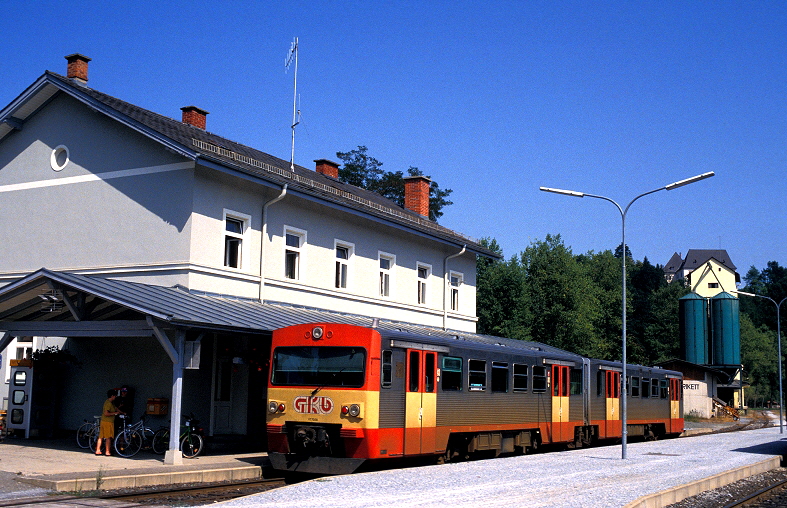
column 661, row 334
column 560, row 298
column 363, row 170
column 758, row 354
column 603, row 269
column 500, row 286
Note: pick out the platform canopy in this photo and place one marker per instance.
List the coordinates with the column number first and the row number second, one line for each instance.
column 62, row 304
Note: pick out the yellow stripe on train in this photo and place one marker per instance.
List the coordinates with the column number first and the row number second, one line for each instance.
column 325, row 406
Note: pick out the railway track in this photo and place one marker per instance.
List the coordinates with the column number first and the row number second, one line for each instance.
column 172, row 496
column 772, row 495
column 195, row 495
column 763, row 490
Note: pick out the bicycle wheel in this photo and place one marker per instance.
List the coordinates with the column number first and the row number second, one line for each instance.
column 161, row 441
column 147, row 438
column 83, row 434
column 93, row 438
column 127, row 444
column 191, row 445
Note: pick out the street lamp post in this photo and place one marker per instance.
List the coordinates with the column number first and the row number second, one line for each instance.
column 778, row 345
column 623, row 212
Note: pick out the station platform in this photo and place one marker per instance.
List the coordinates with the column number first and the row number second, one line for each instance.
column 59, row 465
column 654, row 474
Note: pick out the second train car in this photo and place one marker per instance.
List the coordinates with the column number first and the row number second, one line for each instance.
column 340, row 395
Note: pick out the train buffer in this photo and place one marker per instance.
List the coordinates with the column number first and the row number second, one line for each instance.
column 723, row 407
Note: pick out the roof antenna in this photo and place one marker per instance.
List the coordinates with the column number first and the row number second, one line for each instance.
column 375, row 322
column 293, row 56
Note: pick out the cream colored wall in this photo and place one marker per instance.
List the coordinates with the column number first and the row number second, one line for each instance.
column 712, row 272
column 698, row 397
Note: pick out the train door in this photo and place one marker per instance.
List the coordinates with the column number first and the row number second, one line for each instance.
column 675, row 386
column 420, row 402
column 612, row 394
column 560, row 412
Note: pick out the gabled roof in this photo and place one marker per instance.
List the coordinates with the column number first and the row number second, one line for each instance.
column 58, row 303
column 223, row 154
column 674, row 264
column 695, row 258
column 698, row 257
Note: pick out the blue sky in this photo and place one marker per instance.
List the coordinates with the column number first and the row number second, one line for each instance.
column 492, row 100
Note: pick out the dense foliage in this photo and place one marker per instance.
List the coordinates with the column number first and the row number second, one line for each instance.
column 548, row 294
column 573, row 301
column 363, row 170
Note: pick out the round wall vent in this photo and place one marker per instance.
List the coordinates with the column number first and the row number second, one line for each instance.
column 59, row 158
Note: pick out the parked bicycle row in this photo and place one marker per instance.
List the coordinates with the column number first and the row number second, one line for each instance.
column 133, row 437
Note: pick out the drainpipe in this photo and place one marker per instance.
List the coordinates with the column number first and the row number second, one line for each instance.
column 445, row 283
column 265, row 233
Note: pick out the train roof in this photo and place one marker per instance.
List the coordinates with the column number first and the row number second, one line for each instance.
column 479, row 341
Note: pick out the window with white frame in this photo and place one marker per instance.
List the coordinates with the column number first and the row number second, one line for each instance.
column 456, row 280
column 235, row 226
column 387, row 263
column 344, row 252
column 294, row 240
column 424, row 271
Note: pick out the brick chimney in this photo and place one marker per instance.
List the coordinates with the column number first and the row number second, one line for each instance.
column 195, row 116
column 328, row 168
column 416, row 194
column 77, row 67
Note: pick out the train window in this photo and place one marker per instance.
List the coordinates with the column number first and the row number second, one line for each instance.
column 520, row 377
column 539, row 379
column 319, row 366
column 600, row 383
column 452, row 374
column 387, row 370
column 576, row 382
column 500, row 377
column 635, row 387
column 654, row 388
column 664, row 392
column 645, row 388
column 429, row 372
column 414, row 375
column 477, row 375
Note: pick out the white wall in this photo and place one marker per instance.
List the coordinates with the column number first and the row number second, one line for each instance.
column 323, row 226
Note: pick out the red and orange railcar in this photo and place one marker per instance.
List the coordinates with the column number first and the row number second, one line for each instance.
column 340, row 395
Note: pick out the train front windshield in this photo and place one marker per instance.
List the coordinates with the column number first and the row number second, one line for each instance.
column 319, row 366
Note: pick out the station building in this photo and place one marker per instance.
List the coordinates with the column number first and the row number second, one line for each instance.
column 161, row 256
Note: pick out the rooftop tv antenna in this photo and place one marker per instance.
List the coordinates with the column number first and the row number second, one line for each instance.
column 293, row 56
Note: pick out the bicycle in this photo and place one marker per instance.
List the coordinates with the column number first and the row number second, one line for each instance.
column 191, row 440
column 87, row 433
column 133, row 438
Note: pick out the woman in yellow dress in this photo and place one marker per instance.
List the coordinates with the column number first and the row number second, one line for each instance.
column 107, row 429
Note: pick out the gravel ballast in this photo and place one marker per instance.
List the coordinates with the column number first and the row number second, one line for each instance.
column 588, row 477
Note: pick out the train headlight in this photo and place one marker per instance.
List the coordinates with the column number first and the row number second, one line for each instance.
column 317, row 332
column 273, row 406
column 353, row 410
